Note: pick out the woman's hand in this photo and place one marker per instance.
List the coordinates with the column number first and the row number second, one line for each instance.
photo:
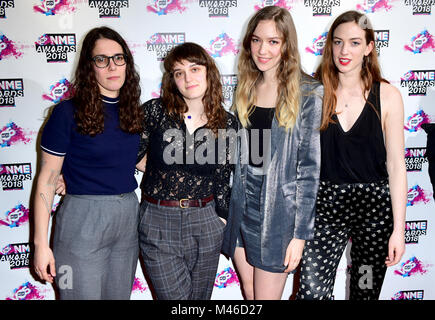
column 396, row 248
column 44, row 263
column 293, row 254
column 61, row 186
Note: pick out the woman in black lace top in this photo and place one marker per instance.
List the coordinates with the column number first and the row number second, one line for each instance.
column 186, row 146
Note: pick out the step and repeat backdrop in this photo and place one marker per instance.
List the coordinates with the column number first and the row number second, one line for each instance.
column 39, row 42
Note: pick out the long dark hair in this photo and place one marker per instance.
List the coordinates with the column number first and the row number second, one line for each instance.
column 213, row 97
column 89, row 114
column 327, row 72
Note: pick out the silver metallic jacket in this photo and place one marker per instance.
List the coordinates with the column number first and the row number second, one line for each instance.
column 288, row 194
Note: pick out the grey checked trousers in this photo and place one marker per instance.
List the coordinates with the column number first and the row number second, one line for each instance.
column 180, row 249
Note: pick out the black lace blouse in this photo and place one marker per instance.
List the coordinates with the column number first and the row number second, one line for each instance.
column 181, row 165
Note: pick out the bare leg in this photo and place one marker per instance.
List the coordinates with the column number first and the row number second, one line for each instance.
column 268, row 285
column 245, row 273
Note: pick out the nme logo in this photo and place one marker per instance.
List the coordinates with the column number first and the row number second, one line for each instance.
column 9, row 90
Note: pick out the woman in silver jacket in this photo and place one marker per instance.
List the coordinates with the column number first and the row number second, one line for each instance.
column 276, row 177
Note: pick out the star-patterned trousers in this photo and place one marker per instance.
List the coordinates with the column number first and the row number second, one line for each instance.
column 362, row 213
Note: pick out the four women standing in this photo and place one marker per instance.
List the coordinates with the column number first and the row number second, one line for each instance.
column 286, row 142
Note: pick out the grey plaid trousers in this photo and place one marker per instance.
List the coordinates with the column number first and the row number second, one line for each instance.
column 180, row 249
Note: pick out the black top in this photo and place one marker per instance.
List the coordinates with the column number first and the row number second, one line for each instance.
column 181, row 165
column 357, row 155
column 260, row 119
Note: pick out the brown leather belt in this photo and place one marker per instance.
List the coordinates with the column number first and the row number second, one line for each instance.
column 182, row 203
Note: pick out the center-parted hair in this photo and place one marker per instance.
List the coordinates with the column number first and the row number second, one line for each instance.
column 89, row 114
column 213, row 97
column 288, row 72
column 327, row 72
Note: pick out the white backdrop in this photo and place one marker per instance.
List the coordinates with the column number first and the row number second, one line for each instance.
column 39, row 41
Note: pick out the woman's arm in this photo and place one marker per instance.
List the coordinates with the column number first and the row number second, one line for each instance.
column 45, row 190
column 307, row 180
column 141, row 165
column 392, row 106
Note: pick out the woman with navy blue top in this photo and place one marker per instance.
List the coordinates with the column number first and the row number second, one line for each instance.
column 93, row 140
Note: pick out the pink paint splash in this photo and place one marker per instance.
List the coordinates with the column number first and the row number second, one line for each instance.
column 226, row 278
column 8, row 48
column 139, row 285
column 44, row 40
column 222, row 45
column 318, row 45
column 278, row 3
column 53, row 7
column 11, row 134
column 414, row 122
column 7, row 250
column 411, row 267
column 156, row 93
column 374, row 7
column 422, row 42
column 417, row 195
column 61, row 90
column 16, row 217
column 27, row 291
column 167, row 6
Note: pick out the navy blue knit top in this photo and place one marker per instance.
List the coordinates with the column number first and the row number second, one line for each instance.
column 99, row 165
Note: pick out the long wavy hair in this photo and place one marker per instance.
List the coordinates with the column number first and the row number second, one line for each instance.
column 213, row 97
column 288, row 72
column 89, row 113
column 327, row 72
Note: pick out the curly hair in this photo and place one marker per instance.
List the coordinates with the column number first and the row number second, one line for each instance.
column 289, row 72
column 89, row 115
column 213, row 97
column 327, row 72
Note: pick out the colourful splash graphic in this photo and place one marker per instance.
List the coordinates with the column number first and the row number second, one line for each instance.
column 222, row 45
column 414, row 122
column 370, row 6
column 59, row 91
column 11, row 134
column 416, row 195
column 286, row 4
column 16, row 217
column 27, row 291
column 226, row 278
column 164, row 7
column 9, row 249
column 53, row 7
column 318, row 45
column 422, row 42
column 156, row 93
column 139, row 285
column 44, row 40
column 8, row 48
column 411, row 267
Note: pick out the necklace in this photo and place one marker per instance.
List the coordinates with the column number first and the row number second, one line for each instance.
column 190, row 117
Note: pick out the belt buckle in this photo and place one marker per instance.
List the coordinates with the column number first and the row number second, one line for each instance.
column 181, row 203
